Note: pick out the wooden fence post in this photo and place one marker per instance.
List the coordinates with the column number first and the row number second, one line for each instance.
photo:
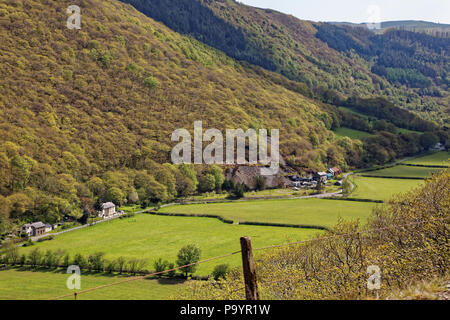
column 251, row 286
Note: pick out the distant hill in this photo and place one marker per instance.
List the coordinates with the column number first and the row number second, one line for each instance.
column 436, row 29
column 334, row 61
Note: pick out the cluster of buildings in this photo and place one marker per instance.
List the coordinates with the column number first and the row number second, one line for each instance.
column 312, row 180
column 39, row 228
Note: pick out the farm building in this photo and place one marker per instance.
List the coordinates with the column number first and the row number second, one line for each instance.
column 33, row 229
column 335, row 171
column 320, row 176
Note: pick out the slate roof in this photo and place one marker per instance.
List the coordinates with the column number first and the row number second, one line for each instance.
column 108, row 205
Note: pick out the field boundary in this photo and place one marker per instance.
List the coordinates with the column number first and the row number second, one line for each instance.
column 252, row 223
column 424, row 165
column 355, row 199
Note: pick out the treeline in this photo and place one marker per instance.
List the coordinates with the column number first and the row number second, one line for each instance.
column 37, row 192
column 187, row 257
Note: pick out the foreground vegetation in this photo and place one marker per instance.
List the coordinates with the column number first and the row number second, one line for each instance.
column 407, row 240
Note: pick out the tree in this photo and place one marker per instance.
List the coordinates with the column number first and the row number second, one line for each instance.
column 121, row 263
column 207, row 183
column 96, row 261
column 219, row 178
column 11, row 254
column 80, row 261
column 428, row 140
column 35, row 257
column 110, row 266
column 347, row 187
column 187, row 255
column 49, row 259
column 115, row 195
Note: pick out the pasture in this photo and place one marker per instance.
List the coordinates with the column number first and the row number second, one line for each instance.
column 151, row 237
column 317, row 212
column 435, row 159
column 22, row 284
column 404, row 172
column 351, row 133
column 381, row 189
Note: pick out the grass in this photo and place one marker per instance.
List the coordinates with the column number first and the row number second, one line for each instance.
column 350, row 110
column 435, row 159
column 381, row 189
column 317, row 212
column 351, row 133
column 404, row 171
column 18, row 284
column 151, row 237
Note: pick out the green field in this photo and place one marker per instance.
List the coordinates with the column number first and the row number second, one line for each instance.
column 151, row 237
column 435, row 159
column 351, row 133
column 28, row 285
column 381, row 189
column 318, row 212
column 404, row 171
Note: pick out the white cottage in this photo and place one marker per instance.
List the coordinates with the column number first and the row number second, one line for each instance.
column 108, row 210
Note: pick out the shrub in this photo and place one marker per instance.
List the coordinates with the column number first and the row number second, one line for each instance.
column 160, row 265
column 220, row 271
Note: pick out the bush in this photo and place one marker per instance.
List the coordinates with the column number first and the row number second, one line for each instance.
column 160, row 265
column 48, row 238
column 220, row 271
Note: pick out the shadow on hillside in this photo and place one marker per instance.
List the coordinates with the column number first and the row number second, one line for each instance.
column 197, row 20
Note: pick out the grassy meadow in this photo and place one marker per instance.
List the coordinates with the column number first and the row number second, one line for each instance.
column 351, row 133
column 151, row 237
column 381, row 189
column 318, row 212
column 22, row 284
column 435, row 159
column 404, row 171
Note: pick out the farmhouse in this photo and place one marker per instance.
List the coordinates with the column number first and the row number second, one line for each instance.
column 33, row 229
column 108, row 210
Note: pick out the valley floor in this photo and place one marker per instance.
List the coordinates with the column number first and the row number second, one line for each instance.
column 152, row 236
